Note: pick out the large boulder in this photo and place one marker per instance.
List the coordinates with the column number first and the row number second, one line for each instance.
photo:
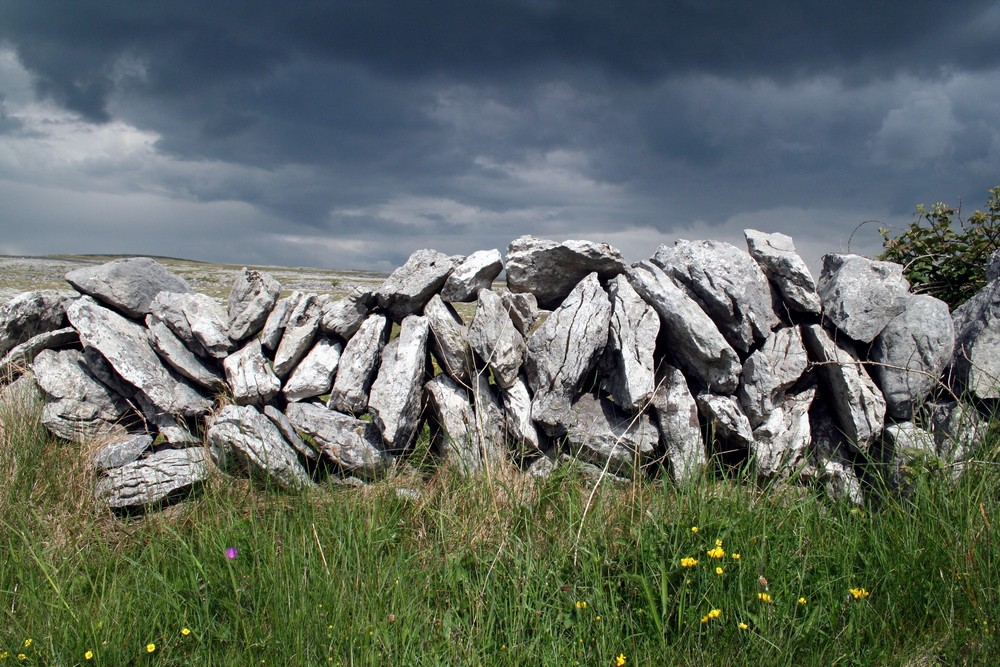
column 861, row 295
column 976, row 362
column 781, row 443
column 911, row 353
column 196, row 319
column 694, row 342
column 395, row 400
column 159, row 478
column 358, row 365
column 493, row 336
column 564, row 349
column 314, row 375
column 172, row 350
column 245, row 441
column 408, row 289
column 301, row 328
column 727, row 283
column 769, row 372
column 551, row 270
column 477, row 272
column 627, row 364
column 353, row 445
column 251, row 300
column 127, row 285
column 449, row 340
column 775, row 253
column 676, row 413
column 249, row 375
column 29, row 314
column 600, row 433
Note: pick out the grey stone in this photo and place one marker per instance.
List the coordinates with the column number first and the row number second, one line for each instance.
column 119, row 452
column 395, row 398
column 906, row 448
column 19, row 357
column 197, row 320
column 172, row 350
column 780, row 445
column 359, row 363
column 289, row 433
column 728, row 285
column 449, row 340
column 157, row 478
column 300, row 332
column 861, row 295
column 249, row 375
column 775, row 253
column 125, row 345
column 727, row 424
column 343, row 317
column 551, row 270
column 523, row 310
column 314, row 375
column 857, row 402
column 128, row 285
column 627, row 364
column 520, row 429
column 541, row 468
column 993, row 269
column 676, row 413
column 455, row 436
column 251, row 300
column 29, row 314
column 601, row 434
column 78, row 406
column 476, row 272
column 976, row 361
column 564, row 349
column 173, row 430
column 22, row 396
column 829, row 464
column 274, row 325
column 912, row 352
column 244, row 440
column 490, row 424
column 695, row 344
column 352, row 444
column 596, row 474
column 958, row 432
column 769, row 372
column 408, row 289
column 494, row 338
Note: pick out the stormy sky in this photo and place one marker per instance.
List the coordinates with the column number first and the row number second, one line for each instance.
column 348, row 134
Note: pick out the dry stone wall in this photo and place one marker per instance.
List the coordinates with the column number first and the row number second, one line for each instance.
column 703, row 355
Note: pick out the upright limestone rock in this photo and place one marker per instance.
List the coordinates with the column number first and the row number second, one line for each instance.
column 157, row 478
column 244, row 440
column 781, row 444
column 128, row 285
column 958, row 432
column 490, row 432
column 911, row 353
column 494, row 338
column 314, row 375
column 125, row 345
column 727, row 284
column 172, row 350
column 601, row 434
column 564, row 349
column 769, row 372
column 196, row 319
column 523, row 310
column 395, row 399
column 408, row 289
column 906, row 449
column 449, row 340
column 857, row 403
column 829, row 463
column 627, row 365
column 29, row 314
column 350, row 443
column 726, row 422
column 274, row 325
column 455, row 436
column 249, row 375
column 358, row 365
column 551, row 270
column 861, row 295
column 344, row 317
column 521, row 430
column 289, row 433
column 477, row 272
column 695, row 343
column 300, row 332
column 676, row 413
column 251, row 300
column 976, row 362
column 775, row 253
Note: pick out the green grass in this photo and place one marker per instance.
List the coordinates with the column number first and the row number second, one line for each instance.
column 493, row 570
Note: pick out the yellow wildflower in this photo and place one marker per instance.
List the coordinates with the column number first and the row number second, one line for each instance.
column 581, row 604
column 859, row 593
column 620, row 660
column 715, row 613
column 765, row 597
column 743, row 626
column 718, row 543
column 718, row 570
column 3, row 655
column 27, row 642
column 150, row 647
column 689, row 562
column 185, row 631
column 89, row 655
column 736, row 556
column 22, row 657
column 694, row 529
column 717, row 552
column 802, row 600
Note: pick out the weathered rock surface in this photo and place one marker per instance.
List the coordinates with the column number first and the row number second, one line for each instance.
column 906, row 448
column 343, row 317
column 455, row 436
column 476, row 272
column 449, row 340
column 769, row 372
column 20, row 356
column 21, row 396
column 249, row 375
column 775, row 253
column 274, row 325
column 126, row 347
column 300, row 332
column 976, row 362
column 251, row 300
column 781, row 444
column 408, row 289
column 352, row 444
column 493, row 336
column 728, row 285
column 993, row 269
column 521, row 431
column 829, row 463
column 289, row 433
column 359, row 363
column 128, row 285
column 395, row 400
column 196, row 319
column 958, row 431
column 172, row 350
column 167, row 427
column 857, row 403
column 601, row 434
column 695, row 344
column 627, row 364
column 564, row 349
column 29, row 314
column 78, row 406
column 157, row 478
column 912, row 352
column 861, row 295
column 676, row 413
column 314, row 375
column 490, row 425
column 726, row 421
column 118, row 453
column 244, row 440
column 523, row 310
column 551, row 270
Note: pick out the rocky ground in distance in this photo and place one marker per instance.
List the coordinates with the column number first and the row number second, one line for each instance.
column 20, row 274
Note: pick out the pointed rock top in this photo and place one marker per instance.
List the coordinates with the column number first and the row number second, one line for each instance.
column 128, row 285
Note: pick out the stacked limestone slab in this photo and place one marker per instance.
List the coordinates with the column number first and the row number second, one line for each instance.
column 704, row 352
